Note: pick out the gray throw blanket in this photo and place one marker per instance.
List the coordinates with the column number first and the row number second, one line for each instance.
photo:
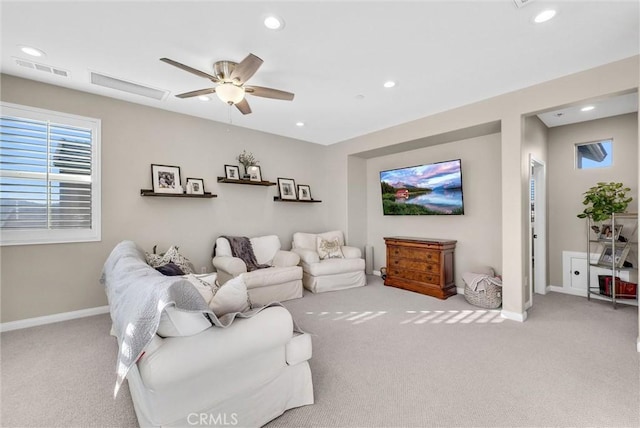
column 138, row 294
column 241, row 248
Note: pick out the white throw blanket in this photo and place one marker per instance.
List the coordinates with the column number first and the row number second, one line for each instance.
column 137, row 296
column 479, row 281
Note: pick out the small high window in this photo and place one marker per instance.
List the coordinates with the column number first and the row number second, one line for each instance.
column 597, row 154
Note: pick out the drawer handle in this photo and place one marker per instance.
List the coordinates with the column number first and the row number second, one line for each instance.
column 396, row 262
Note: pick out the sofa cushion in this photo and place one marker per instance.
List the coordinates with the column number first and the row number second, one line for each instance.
column 264, row 248
column 271, row 276
column 334, row 266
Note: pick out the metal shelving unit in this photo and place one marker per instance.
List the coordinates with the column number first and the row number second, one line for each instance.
column 617, row 251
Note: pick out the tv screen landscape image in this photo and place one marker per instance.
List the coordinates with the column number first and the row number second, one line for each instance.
column 431, row 189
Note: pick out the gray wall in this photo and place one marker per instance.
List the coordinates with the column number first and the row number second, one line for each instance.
column 41, row 280
column 477, row 231
column 567, row 184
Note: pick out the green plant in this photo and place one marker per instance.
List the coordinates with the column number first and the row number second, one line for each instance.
column 247, row 159
column 605, row 199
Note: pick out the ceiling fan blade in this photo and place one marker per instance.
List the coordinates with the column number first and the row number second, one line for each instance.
column 243, row 106
column 277, row 94
column 190, row 69
column 246, row 68
column 196, row 93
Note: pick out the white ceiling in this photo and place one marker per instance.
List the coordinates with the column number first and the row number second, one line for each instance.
column 334, row 56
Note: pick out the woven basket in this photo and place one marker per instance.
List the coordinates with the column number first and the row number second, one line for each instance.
column 491, row 298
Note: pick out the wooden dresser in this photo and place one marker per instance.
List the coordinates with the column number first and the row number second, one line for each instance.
column 420, row 264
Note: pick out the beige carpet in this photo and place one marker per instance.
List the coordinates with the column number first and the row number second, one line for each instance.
column 382, row 357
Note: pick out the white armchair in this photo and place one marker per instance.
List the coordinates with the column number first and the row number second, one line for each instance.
column 327, row 263
column 277, row 283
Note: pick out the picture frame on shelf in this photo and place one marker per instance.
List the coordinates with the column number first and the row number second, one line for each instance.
column 287, row 188
column 232, row 172
column 195, row 186
column 166, row 179
column 255, row 173
column 304, row 192
column 607, row 256
column 606, row 231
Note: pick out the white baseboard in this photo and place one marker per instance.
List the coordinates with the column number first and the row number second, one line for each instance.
column 377, row 273
column 50, row 319
column 460, row 290
column 638, row 346
column 514, row 316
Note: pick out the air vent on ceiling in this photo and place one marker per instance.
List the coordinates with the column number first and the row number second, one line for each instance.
column 125, row 86
column 42, row 67
column 521, row 3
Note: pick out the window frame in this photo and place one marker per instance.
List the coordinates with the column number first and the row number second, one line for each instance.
column 577, row 155
column 60, row 236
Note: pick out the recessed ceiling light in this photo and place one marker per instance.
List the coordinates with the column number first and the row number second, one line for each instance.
column 273, row 22
column 32, row 51
column 544, row 16
column 300, row 124
column 204, row 98
column 389, row 84
column 587, row 108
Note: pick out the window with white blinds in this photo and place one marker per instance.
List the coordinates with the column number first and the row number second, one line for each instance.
column 49, row 176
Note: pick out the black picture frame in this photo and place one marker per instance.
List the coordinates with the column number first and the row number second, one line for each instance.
column 255, row 173
column 166, row 179
column 287, row 188
column 232, row 172
column 304, row 192
column 195, row 186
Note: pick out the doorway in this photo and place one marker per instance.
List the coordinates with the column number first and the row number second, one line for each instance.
column 537, row 230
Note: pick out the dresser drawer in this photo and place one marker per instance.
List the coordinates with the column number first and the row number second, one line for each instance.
column 414, row 275
column 418, row 265
column 414, row 254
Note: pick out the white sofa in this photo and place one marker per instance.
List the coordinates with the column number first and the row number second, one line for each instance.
column 320, row 275
column 201, row 375
column 282, row 281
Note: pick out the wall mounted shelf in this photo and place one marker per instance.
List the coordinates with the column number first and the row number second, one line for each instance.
column 278, row 199
column 252, row 183
column 149, row 192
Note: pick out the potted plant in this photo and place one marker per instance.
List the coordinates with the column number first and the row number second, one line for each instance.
column 605, row 199
column 247, row 160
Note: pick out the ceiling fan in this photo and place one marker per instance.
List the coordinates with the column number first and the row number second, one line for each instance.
column 231, row 78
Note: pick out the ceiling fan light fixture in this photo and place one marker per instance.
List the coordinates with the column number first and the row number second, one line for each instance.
column 230, row 93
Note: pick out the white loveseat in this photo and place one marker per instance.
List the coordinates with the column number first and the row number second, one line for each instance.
column 329, row 274
column 282, row 281
column 245, row 374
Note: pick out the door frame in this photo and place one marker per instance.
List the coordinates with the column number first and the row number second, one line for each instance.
column 538, row 271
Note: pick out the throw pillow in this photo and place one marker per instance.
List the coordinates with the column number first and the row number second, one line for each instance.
column 230, row 297
column 329, row 248
column 170, row 256
column 170, row 269
column 206, row 289
column 177, row 323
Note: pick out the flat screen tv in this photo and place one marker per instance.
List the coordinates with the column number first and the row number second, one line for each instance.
column 430, row 189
